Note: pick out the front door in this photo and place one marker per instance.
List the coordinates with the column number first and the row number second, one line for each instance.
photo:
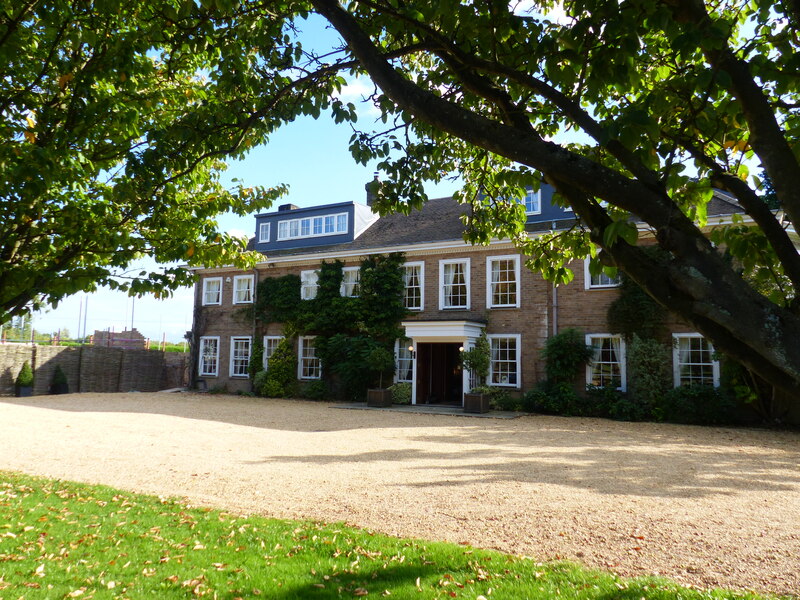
column 439, row 374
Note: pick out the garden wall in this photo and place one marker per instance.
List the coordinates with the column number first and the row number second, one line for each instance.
column 93, row 368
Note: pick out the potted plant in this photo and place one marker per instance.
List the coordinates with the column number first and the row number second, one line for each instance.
column 24, row 383
column 59, row 384
column 379, row 360
column 476, row 360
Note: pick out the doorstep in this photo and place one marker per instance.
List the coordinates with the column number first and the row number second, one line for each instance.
column 424, row 409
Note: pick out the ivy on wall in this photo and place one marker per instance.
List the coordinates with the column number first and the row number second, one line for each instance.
column 350, row 331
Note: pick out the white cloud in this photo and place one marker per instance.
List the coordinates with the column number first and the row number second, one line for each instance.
column 357, row 90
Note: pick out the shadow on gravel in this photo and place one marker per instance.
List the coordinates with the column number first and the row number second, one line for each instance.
column 266, row 413
column 607, row 457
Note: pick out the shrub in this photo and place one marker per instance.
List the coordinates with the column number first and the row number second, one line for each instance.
column 271, row 389
column 499, row 398
column 401, row 393
column 259, row 381
column 59, row 384
column 629, row 408
column 25, row 377
column 649, row 371
column 564, row 353
column 600, row 401
column 553, row 399
column 478, row 359
column 695, row 404
column 315, row 390
column 256, row 364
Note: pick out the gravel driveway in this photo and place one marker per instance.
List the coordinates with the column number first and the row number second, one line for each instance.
column 705, row 506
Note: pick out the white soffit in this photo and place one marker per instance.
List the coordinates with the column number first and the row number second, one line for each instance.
column 442, row 331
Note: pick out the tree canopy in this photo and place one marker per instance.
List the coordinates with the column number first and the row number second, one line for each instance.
column 632, row 110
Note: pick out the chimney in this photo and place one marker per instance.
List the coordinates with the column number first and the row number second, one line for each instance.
column 285, row 207
column 372, row 189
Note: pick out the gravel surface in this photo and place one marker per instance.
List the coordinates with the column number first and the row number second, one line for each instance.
column 705, row 506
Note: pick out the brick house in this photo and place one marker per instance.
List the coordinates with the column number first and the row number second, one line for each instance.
column 453, row 291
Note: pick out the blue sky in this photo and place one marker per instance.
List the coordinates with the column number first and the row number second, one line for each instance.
column 310, row 156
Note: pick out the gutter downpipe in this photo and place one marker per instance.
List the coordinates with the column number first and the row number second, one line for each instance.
column 555, row 309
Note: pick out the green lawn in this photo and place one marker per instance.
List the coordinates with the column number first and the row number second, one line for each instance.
column 68, row 540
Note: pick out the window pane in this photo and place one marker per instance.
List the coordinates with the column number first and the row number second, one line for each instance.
column 243, row 289
column 305, row 227
column 270, row 344
column 350, row 283
column 455, row 285
column 317, row 225
column 412, row 293
column 606, row 368
column 209, row 356
column 695, row 361
column 240, row 356
column 329, row 224
column 532, row 202
column 405, row 362
column 603, row 280
column 310, row 365
column 504, row 361
column 308, row 285
column 341, row 223
column 503, row 282
column 213, row 291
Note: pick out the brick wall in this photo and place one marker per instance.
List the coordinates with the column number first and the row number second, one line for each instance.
column 93, row 369
column 533, row 320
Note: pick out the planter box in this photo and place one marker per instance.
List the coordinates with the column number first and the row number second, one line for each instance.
column 379, row 398
column 59, row 388
column 476, row 403
column 24, row 391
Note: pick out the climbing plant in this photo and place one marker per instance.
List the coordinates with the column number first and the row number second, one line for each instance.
column 348, row 330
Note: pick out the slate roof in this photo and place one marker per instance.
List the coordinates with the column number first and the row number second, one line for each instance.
column 439, row 220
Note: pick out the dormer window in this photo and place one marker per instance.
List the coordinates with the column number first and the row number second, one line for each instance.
column 532, row 202
column 263, row 232
column 312, row 226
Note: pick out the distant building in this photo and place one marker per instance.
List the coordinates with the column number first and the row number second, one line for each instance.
column 129, row 339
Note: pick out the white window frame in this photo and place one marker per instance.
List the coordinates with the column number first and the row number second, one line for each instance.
column 292, row 229
column 524, row 201
column 263, row 232
column 421, row 265
column 401, row 353
column 622, row 358
column 234, row 339
column 676, row 369
column 308, row 290
column 518, row 341
column 490, row 283
column 301, row 345
column 250, row 287
column 355, row 287
column 201, row 364
column 206, row 281
column 442, row 295
column 589, row 285
column 266, row 341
